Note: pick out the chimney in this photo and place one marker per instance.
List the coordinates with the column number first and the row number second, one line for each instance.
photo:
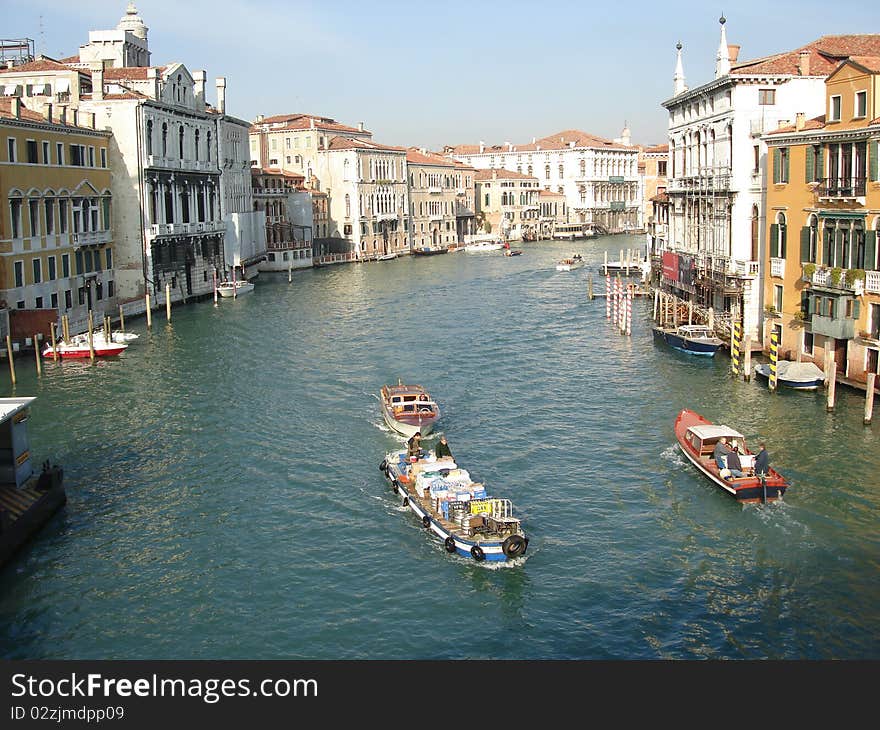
column 199, row 87
column 482, row 146
column 48, row 112
column 221, row 94
column 75, row 118
column 733, row 52
column 804, row 63
column 64, row 115
column 799, row 121
column 16, row 107
column 534, row 139
column 360, row 126
column 97, row 69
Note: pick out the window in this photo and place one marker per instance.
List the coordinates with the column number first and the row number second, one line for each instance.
column 780, row 165
column 834, row 111
column 18, row 267
column 32, row 152
column 52, row 272
column 756, row 153
column 47, row 153
column 661, row 168
column 62, row 216
column 77, row 155
column 68, row 299
column 34, row 210
column 11, row 150
column 15, row 217
column 91, row 156
column 54, row 300
column 50, row 216
column 766, row 97
column 861, row 105
column 104, row 157
column 108, row 254
column 38, row 271
column 65, row 267
column 777, row 297
column 778, row 234
column 149, row 136
column 38, row 303
column 59, row 153
column 111, row 288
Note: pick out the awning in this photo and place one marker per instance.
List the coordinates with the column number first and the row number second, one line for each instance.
column 852, row 215
column 63, row 86
column 10, row 89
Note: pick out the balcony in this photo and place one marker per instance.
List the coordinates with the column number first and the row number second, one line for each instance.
column 777, row 268
column 91, row 238
column 839, row 329
column 872, row 282
column 850, row 280
column 842, row 188
column 435, row 190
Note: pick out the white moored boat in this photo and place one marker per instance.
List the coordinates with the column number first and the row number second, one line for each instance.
column 484, row 246
column 234, row 288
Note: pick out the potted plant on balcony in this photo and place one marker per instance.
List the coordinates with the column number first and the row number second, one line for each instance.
column 798, row 318
column 770, row 311
column 809, row 270
column 853, row 276
column 836, row 273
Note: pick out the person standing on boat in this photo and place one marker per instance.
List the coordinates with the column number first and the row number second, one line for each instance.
column 720, row 453
column 762, row 461
column 442, row 448
column 414, row 445
column 733, row 462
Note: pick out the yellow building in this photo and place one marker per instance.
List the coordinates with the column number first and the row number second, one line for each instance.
column 56, row 251
column 822, row 270
column 507, row 203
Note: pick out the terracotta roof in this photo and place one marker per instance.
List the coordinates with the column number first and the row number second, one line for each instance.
column 502, row 175
column 815, row 123
column 276, row 173
column 134, row 73
column 824, row 54
column 871, row 63
column 415, row 156
column 41, row 64
column 559, row 141
column 542, row 193
column 32, row 116
column 345, row 143
column 70, row 59
column 304, row 121
column 874, row 121
column 660, row 198
column 656, row 149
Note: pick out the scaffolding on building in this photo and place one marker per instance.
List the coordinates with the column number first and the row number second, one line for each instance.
column 18, row 51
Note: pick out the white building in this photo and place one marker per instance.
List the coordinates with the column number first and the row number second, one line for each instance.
column 717, row 164
column 599, row 177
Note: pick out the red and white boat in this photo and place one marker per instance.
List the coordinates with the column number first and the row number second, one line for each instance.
column 79, row 348
column 697, row 438
column 408, row 408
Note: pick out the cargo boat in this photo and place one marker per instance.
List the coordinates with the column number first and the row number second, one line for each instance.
column 454, row 508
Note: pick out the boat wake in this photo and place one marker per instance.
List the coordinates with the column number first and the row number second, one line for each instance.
column 673, row 455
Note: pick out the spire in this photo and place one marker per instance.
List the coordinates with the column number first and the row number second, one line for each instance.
column 722, row 58
column 679, row 86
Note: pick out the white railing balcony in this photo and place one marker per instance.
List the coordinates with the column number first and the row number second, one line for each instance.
column 91, row 238
column 821, row 277
column 872, row 282
column 157, row 161
column 777, row 268
column 435, row 190
column 744, row 268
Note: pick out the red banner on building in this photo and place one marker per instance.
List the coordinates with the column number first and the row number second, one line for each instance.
column 670, row 265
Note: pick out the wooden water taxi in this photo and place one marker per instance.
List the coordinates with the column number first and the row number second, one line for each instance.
column 576, row 261
column 429, row 250
column 28, row 498
column 697, row 438
column 234, row 288
column 408, row 408
column 454, row 508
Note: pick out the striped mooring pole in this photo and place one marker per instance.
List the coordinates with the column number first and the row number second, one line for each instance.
column 774, row 358
column 607, row 297
column 629, row 311
column 735, row 340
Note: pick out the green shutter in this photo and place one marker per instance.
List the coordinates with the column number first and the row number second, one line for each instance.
column 805, row 243
column 811, row 165
column 774, row 239
column 856, row 308
column 873, row 161
column 777, row 164
column 871, row 250
column 783, row 241
column 785, row 177
column 820, row 164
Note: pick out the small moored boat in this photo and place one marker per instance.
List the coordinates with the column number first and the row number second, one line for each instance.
column 408, row 408
column 456, row 509
column 697, row 438
column 576, row 261
column 429, row 250
column 483, row 246
column 387, row 256
column 234, row 288
column 78, row 347
column 513, row 252
column 797, row 375
column 694, row 339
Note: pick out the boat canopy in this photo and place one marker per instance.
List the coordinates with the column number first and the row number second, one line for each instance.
column 712, row 431
column 692, row 330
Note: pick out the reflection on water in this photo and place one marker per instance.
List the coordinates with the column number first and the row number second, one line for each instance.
column 224, row 499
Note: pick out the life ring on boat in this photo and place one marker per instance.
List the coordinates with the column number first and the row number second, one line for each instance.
column 449, row 544
column 477, row 553
column 383, row 466
column 426, row 521
column 514, row 546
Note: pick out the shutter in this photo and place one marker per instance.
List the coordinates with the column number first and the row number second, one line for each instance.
column 805, row 243
column 873, row 161
column 774, row 239
column 785, row 177
column 856, row 309
column 777, row 163
column 805, row 303
column 782, row 242
column 811, row 165
column 871, row 250
column 820, row 164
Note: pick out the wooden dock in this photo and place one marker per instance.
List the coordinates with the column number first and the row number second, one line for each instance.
column 25, row 510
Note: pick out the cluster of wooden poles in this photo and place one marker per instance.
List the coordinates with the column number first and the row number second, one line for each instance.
column 618, row 304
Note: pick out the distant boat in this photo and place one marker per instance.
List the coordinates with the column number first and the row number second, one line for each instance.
column 797, row 375
column 694, row 339
column 484, row 246
column 513, row 252
column 388, row 256
column 429, row 250
column 570, row 264
column 234, row 288
column 572, row 231
column 78, row 348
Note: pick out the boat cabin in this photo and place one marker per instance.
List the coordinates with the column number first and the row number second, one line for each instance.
column 703, row 438
column 404, row 400
column 695, row 331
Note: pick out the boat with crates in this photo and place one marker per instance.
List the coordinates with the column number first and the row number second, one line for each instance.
column 454, row 508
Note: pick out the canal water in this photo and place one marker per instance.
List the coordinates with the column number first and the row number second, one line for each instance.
column 225, row 500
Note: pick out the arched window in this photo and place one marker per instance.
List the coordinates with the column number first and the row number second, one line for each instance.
column 778, row 236
column 180, row 141
column 149, row 136
column 164, row 139
column 811, row 242
column 755, row 232
column 208, row 146
column 197, row 145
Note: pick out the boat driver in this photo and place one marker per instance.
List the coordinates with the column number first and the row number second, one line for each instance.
column 414, row 445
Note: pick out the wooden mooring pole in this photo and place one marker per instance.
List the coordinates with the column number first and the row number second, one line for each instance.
column 774, row 359
column 168, row 301
column 747, row 355
column 590, row 286
column 9, row 355
column 735, row 335
column 869, row 397
column 54, row 345
column 91, row 336
column 149, row 312
column 37, row 354
column 121, row 319
column 65, row 327
column 830, row 378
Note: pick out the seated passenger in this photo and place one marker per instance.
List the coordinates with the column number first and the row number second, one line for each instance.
column 720, row 452
column 733, row 462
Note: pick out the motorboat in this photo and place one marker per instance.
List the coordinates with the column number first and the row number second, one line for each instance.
column 429, row 250
column 408, row 408
column 388, row 256
column 454, row 508
column 697, row 438
column 575, row 261
column 234, row 288
column 797, row 375
column 78, row 348
column 694, row 339
column 484, row 246
column 513, row 252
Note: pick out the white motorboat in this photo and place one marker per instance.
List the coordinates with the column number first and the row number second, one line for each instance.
column 234, row 288
column 484, row 246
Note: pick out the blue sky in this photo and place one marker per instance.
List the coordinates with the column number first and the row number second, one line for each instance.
column 450, row 72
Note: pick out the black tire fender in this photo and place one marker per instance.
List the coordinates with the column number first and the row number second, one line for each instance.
column 514, row 546
column 478, row 554
column 383, row 465
column 406, row 501
column 426, row 521
column 449, row 544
